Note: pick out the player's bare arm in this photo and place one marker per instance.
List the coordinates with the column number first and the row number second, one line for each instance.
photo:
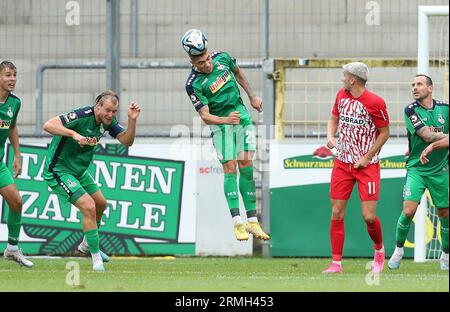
column 443, row 143
column 54, row 126
column 379, row 142
column 14, row 140
column 331, row 131
column 127, row 137
column 232, row 119
column 255, row 100
column 430, row 136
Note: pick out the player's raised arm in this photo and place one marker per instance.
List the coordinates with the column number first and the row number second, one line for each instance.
column 127, row 137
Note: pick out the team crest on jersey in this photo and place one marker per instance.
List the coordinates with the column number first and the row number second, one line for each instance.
column 71, row 183
column 220, row 66
column 441, row 119
column 10, row 112
column 406, row 191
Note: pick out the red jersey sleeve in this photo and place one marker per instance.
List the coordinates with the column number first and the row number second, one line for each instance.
column 379, row 113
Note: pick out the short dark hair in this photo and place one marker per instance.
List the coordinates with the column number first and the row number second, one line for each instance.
column 7, row 64
column 108, row 94
column 195, row 57
column 427, row 78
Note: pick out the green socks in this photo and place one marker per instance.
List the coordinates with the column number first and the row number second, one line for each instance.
column 444, row 233
column 92, row 240
column 401, row 233
column 247, row 188
column 230, row 189
column 14, row 223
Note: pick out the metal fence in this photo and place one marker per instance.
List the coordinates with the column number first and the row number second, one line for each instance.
column 35, row 33
column 305, row 94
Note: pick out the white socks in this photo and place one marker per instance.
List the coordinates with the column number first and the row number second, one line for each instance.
column 237, row 220
column 12, row 247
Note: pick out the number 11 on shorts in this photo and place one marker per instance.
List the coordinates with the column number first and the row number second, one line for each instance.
column 371, row 188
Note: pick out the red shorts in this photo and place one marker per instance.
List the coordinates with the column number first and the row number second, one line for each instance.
column 343, row 178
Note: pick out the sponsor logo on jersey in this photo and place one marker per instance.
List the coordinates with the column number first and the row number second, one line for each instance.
column 441, row 119
column 5, row 124
column 415, row 120
column 10, row 112
column 220, row 81
column 91, row 141
column 351, row 120
column 437, row 129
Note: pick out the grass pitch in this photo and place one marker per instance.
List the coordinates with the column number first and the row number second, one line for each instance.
column 206, row 274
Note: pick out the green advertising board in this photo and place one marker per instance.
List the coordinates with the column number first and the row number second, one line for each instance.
column 300, row 207
column 144, row 200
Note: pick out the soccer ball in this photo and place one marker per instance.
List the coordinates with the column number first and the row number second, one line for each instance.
column 194, row 42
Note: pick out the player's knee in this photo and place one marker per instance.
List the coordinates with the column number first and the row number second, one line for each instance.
column 244, row 163
column 369, row 218
column 337, row 213
column 230, row 167
column 89, row 210
column 100, row 204
column 15, row 204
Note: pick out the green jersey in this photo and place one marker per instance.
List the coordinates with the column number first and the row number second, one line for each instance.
column 65, row 155
column 218, row 90
column 436, row 118
column 8, row 116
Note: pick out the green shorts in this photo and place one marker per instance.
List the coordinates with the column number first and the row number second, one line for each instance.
column 230, row 140
column 5, row 175
column 69, row 188
column 416, row 184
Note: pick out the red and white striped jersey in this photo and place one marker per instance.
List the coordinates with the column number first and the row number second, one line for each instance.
column 359, row 120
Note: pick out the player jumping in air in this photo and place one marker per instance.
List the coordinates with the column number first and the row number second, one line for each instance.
column 213, row 89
